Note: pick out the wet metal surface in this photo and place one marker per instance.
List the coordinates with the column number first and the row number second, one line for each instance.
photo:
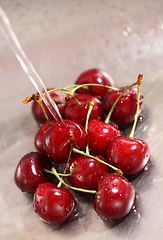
column 62, row 39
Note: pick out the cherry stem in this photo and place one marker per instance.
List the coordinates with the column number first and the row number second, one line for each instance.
column 91, row 84
column 53, row 171
column 63, row 174
column 62, row 89
column 91, row 105
column 59, row 101
column 97, row 159
column 69, row 157
column 117, row 100
column 77, row 101
column 43, row 109
column 139, row 82
column 76, row 87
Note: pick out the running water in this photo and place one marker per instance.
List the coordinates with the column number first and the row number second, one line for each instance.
column 28, row 68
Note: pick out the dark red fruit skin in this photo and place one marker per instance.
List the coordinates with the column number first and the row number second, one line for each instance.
column 130, row 155
column 76, row 113
column 37, row 110
column 29, row 171
column 57, row 140
column 97, row 76
column 87, row 172
column 115, row 197
column 38, row 140
column 99, row 134
column 125, row 110
column 53, row 204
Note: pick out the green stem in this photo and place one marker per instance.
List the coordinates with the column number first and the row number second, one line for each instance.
column 62, row 89
column 116, row 101
column 138, row 107
column 45, row 114
column 77, row 101
column 91, row 105
column 95, row 158
column 91, row 85
column 63, row 174
column 59, row 101
column 69, row 157
column 77, row 86
column 67, row 185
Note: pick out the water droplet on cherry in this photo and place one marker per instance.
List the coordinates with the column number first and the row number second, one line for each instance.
column 61, row 204
column 41, row 192
column 43, row 211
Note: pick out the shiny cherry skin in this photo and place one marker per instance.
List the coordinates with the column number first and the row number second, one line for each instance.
column 29, row 171
column 97, row 76
column 99, row 134
column 38, row 112
column 53, row 204
column 38, row 140
column 59, row 138
column 115, row 197
column 125, row 110
column 78, row 113
column 87, row 172
column 130, row 155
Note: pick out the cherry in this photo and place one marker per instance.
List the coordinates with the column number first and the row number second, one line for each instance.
column 87, row 172
column 38, row 112
column 53, row 204
column 99, row 134
column 77, row 111
column 38, row 140
column 29, row 172
column 125, row 109
column 115, row 196
column 97, row 76
column 130, row 155
column 60, row 137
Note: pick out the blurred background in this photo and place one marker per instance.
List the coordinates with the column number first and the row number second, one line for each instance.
column 63, row 39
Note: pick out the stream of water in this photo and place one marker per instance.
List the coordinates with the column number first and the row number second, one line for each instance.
column 27, row 66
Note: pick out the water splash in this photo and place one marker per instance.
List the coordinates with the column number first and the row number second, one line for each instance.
column 28, row 68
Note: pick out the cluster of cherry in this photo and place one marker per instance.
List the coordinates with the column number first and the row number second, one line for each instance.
column 88, row 142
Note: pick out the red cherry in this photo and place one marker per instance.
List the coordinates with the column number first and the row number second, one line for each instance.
column 130, row 155
column 59, row 138
column 87, row 172
column 97, row 76
column 78, row 113
column 125, row 109
column 38, row 112
column 29, row 172
column 53, row 204
column 38, row 140
column 115, row 197
column 99, row 134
